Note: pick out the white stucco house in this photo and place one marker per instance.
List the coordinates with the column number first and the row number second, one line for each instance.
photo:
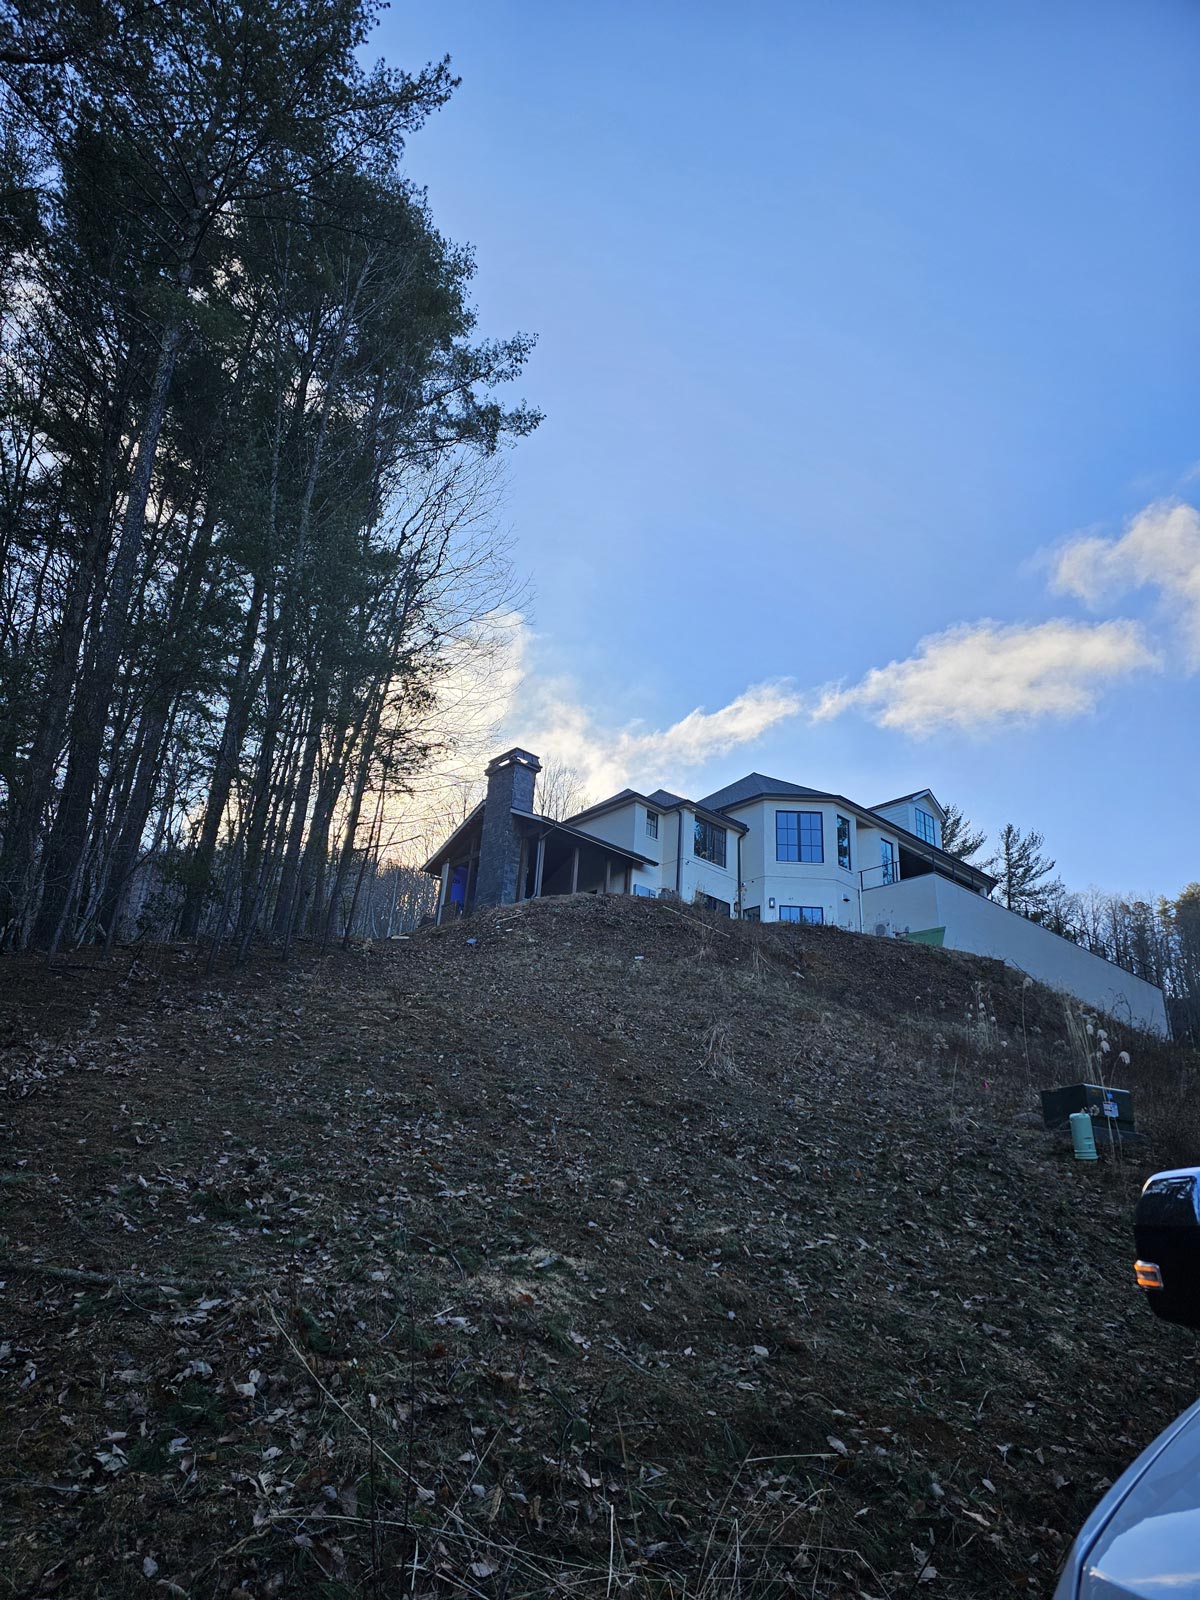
column 768, row 850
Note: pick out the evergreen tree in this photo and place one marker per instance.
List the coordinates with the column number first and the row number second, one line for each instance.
column 1023, row 876
column 959, row 838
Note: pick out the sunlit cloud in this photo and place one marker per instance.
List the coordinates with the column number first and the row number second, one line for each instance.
column 979, row 676
column 1160, row 549
column 549, row 718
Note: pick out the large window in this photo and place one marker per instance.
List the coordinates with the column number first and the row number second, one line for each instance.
column 887, row 858
column 710, row 842
column 652, row 824
column 802, row 914
column 843, row 827
column 798, row 836
column 711, row 903
column 752, row 914
column 926, row 826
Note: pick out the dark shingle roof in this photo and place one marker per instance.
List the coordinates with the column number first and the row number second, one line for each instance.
column 751, row 787
column 665, row 799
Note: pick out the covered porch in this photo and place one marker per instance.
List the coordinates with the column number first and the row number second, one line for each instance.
column 554, row 859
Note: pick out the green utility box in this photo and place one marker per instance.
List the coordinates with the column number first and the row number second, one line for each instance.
column 1104, row 1105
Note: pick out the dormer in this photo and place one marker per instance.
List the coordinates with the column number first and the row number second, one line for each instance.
column 919, row 813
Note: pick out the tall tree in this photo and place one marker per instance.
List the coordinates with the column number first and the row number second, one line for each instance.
column 1023, row 874
column 959, row 837
column 235, row 354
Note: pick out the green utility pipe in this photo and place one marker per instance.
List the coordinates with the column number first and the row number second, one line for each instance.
column 1083, row 1136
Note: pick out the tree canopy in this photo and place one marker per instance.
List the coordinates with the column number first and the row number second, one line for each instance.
column 242, row 411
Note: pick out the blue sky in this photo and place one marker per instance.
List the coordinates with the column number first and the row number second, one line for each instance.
column 859, row 325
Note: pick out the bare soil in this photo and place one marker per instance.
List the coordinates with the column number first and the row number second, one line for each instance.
column 593, row 1247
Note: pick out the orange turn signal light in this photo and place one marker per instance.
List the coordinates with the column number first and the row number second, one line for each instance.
column 1148, row 1275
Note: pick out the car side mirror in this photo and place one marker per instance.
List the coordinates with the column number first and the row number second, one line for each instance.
column 1166, row 1227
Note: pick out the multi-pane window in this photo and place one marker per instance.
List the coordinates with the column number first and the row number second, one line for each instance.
column 926, row 826
column 752, row 914
column 843, row 836
column 710, row 842
column 652, row 824
column 798, row 836
column 711, row 903
column 887, row 858
column 802, row 914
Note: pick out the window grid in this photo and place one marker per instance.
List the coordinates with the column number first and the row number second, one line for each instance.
column 652, row 824
column 843, row 842
column 710, row 842
column 799, row 836
column 926, row 826
column 810, row 914
column 711, row 903
column 887, row 857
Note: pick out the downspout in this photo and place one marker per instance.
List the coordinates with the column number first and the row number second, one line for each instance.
column 679, row 857
column 739, row 876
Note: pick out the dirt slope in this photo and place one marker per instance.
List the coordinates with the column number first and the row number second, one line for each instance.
column 616, row 1251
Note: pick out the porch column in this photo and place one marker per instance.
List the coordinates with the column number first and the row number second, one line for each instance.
column 575, row 870
column 537, row 871
column 608, row 875
column 443, row 891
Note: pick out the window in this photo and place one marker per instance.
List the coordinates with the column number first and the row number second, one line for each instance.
column 652, row 824
column 926, row 826
column 752, row 914
column 648, row 894
column 711, row 903
column 843, row 836
column 710, row 842
column 798, row 836
column 887, row 857
column 813, row 914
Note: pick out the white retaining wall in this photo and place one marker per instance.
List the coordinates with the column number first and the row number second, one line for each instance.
column 985, row 928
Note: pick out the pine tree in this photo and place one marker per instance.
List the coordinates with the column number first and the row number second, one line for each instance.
column 959, row 838
column 1023, row 876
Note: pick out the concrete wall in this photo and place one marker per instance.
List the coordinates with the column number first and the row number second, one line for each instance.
column 983, row 927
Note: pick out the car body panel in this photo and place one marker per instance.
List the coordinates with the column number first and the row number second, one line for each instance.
column 1142, row 1542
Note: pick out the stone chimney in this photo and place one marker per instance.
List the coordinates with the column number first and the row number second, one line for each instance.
column 510, row 784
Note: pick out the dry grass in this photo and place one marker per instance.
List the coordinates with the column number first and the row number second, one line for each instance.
column 531, row 1268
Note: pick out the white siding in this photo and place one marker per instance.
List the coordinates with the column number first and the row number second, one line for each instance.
column 803, row 883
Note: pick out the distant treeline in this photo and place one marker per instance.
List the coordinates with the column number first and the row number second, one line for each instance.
column 1158, row 940
column 242, row 420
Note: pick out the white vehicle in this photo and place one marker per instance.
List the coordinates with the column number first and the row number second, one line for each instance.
column 1142, row 1542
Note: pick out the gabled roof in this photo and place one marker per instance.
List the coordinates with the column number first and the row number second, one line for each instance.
column 752, row 787
column 547, row 824
column 917, row 794
column 448, row 845
column 659, row 800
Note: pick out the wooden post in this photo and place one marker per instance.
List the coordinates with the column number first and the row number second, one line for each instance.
column 537, row 871
column 575, row 870
column 608, row 874
column 443, row 891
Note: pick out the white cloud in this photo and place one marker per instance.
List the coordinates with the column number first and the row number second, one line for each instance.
column 547, row 717
column 977, row 675
column 1159, row 549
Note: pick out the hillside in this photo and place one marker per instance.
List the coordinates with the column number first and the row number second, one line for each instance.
column 592, row 1247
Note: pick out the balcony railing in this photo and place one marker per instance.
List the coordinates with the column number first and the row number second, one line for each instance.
column 883, row 872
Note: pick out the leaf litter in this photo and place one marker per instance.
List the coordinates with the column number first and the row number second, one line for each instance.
column 436, row 1269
